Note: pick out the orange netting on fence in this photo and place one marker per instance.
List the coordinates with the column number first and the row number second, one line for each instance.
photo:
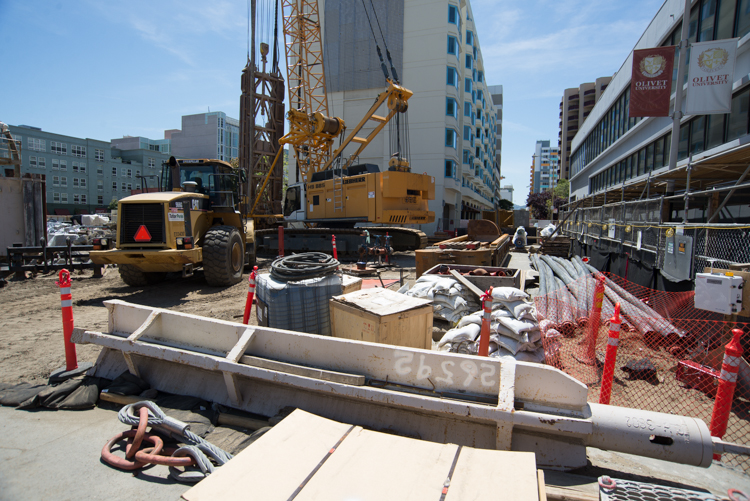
column 669, row 355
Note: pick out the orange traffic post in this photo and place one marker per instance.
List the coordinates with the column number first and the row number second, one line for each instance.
column 613, row 341
column 484, row 335
column 727, row 383
column 281, row 241
column 587, row 352
column 66, row 299
column 250, row 295
column 335, row 253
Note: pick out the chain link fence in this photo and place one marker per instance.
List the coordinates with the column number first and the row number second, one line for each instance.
column 669, row 355
column 639, row 225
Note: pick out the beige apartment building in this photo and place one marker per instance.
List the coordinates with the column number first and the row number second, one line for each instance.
column 575, row 107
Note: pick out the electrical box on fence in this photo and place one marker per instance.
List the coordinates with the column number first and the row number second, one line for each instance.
column 719, row 293
column 678, row 256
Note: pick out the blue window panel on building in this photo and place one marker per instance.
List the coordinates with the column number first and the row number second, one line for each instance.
column 467, row 157
column 452, row 77
column 453, row 14
column 467, row 132
column 452, row 45
column 467, row 109
column 450, row 138
column 450, row 168
column 469, row 37
column 451, row 107
column 467, row 85
column 469, row 61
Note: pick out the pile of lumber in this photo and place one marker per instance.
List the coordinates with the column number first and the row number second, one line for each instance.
column 558, row 246
column 464, row 245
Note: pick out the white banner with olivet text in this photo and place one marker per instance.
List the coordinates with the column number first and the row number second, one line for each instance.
column 710, row 77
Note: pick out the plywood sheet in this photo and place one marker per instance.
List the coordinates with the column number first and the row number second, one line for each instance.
column 372, row 466
column 486, row 474
column 276, row 464
column 381, row 302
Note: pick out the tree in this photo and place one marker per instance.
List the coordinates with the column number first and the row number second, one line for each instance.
column 505, row 205
column 113, row 204
column 537, row 203
column 562, row 190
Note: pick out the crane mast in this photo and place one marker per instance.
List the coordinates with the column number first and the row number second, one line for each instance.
column 311, row 130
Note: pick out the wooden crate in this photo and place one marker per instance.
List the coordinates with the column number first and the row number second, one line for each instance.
column 382, row 316
column 483, row 282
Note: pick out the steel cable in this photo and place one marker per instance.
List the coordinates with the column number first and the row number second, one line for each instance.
column 303, row 266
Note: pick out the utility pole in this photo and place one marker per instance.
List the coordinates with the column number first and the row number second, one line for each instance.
column 681, row 66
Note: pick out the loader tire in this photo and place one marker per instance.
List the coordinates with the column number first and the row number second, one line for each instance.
column 137, row 278
column 223, row 256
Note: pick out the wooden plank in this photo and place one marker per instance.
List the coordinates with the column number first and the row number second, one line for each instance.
column 465, row 281
column 542, row 490
column 301, row 370
column 378, row 466
column 487, row 474
column 276, row 464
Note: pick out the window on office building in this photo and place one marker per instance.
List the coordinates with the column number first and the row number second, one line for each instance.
column 100, row 185
column 469, row 38
column 63, row 198
column 123, row 186
column 100, row 199
column 468, row 86
column 99, row 155
column 63, row 165
column 84, row 199
column 78, row 151
column 42, row 163
column 99, row 170
column 469, row 61
column 55, row 164
column 37, row 144
column 63, row 181
column 114, row 185
column 82, row 182
column 59, row 148
column 32, row 162
column 75, row 182
column 55, row 180
column 56, row 197
column 76, row 199
column 114, row 171
column 130, row 173
column 130, row 186
column 152, row 163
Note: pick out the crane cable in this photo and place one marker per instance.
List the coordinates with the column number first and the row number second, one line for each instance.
column 385, row 44
column 375, row 39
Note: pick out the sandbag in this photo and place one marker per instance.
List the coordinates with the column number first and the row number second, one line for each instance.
column 474, row 318
column 536, row 356
column 466, row 333
column 518, row 326
column 13, row 395
column 508, row 294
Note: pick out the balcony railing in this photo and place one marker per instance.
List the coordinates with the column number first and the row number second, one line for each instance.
column 589, row 103
column 589, row 92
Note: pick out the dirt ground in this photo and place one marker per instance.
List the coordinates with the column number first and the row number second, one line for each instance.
column 31, row 333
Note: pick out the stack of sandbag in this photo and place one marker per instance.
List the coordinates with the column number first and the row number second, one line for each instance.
column 449, row 298
column 514, row 330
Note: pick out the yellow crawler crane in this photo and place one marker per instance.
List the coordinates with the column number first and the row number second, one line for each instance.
column 332, row 192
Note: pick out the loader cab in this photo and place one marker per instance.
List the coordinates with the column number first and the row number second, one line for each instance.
column 294, row 203
column 213, row 178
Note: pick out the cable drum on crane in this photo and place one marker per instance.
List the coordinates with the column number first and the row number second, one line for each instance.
column 303, row 266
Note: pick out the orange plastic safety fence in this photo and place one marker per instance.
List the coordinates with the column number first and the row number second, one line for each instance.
column 669, row 353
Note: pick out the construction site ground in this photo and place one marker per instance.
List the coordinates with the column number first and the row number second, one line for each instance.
column 47, row 453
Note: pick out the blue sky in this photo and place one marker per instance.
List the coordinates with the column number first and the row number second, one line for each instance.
column 104, row 69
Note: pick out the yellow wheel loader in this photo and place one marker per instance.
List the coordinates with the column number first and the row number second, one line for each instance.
column 197, row 224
